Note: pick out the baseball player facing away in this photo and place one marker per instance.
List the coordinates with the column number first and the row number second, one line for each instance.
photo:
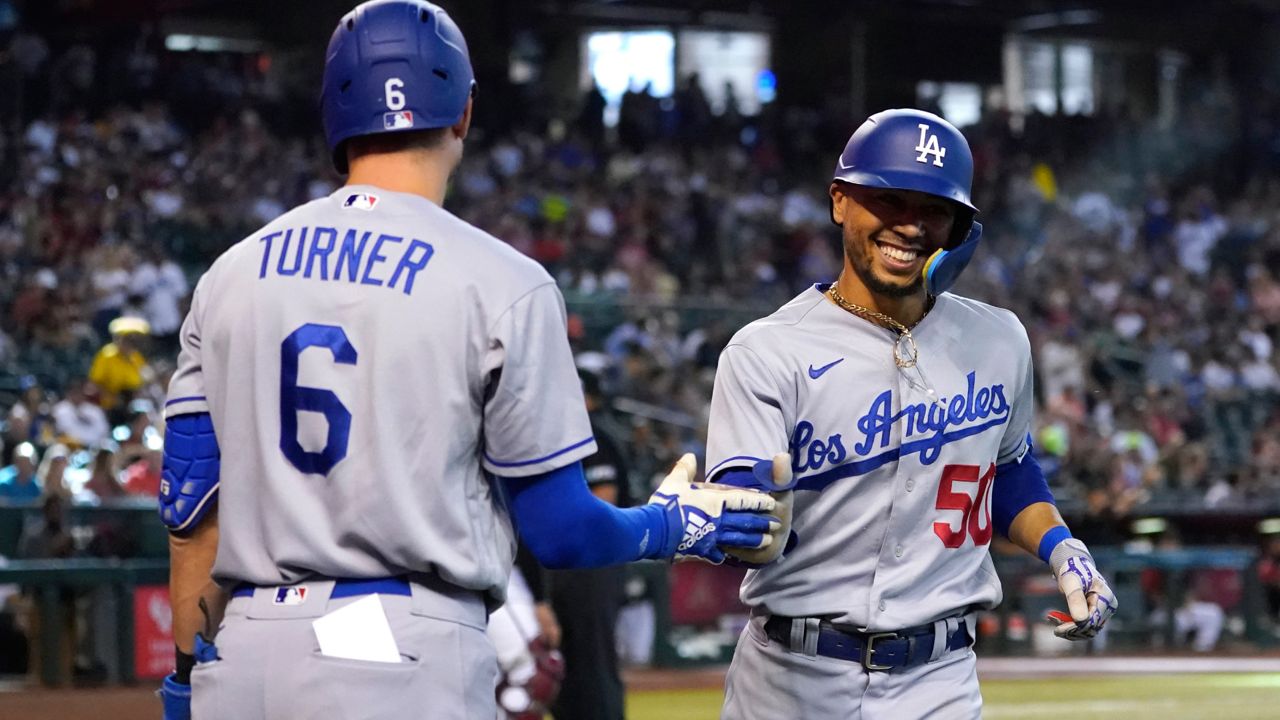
column 372, row 393
column 907, row 411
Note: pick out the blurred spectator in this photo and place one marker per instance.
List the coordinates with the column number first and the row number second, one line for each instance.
column 50, row 538
column 19, row 482
column 33, row 302
column 1198, row 615
column 144, row 475
column 79, row 419
column 30, row 418
column 113, row 265
column 119, row 369
column 53, row 471
column 163, row 285
column 136, row 433
column 103, row 484
column 1269, row 577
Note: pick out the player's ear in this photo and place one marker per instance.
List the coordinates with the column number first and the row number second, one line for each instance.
column 463, row 126
column 838, row 200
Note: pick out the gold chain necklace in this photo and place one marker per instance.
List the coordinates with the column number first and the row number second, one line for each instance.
column 905, row 352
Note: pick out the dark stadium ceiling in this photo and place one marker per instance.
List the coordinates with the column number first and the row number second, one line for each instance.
column 1177, row 22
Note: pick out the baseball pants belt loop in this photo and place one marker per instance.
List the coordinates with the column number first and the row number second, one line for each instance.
column 804, row 635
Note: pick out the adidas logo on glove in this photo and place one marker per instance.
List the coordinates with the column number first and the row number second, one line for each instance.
column 696, row 529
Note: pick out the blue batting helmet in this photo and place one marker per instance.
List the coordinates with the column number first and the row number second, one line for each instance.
column 393, row 66
column 915, row 150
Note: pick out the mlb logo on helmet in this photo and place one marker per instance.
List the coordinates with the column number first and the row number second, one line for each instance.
column 398, row 120
column 360, row 201
column 291, row 595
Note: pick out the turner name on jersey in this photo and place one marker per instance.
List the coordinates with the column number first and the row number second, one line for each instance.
column 349, row 255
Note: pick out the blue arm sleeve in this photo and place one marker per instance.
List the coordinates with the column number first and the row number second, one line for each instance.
column 192, row 464
column 1018, row 485
column 565, row 526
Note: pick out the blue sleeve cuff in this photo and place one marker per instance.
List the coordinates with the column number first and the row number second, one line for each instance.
column 565, row 526
column 758, row 477
column 1018, row 485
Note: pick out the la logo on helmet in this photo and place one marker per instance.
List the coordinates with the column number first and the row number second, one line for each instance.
column 931, row 147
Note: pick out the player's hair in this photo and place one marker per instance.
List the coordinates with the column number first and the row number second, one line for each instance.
column 411, row 140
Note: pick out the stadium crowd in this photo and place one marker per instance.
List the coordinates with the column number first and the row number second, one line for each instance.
column 1143, row 266
column 1141, row 255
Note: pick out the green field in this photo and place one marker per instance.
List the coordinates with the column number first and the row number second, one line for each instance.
column 1251, row 696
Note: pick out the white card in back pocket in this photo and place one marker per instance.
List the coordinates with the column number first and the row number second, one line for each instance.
column 358, row 631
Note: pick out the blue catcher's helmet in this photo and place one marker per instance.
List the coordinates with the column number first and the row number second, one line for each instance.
column 916, row 150
column 392, row 66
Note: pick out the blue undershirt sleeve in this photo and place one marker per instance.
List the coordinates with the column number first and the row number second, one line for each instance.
column 565, row 526
column 1018, row 485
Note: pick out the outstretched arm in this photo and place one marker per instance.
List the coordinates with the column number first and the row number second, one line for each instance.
column 565, row 526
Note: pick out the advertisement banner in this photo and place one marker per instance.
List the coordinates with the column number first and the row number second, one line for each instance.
column 152, row 632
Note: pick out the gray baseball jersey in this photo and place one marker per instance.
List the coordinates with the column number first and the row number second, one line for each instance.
column 893, row 501
column 366, row 358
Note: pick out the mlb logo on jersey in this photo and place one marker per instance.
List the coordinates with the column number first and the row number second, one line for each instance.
column 398, row 120
column 290, row 595
column 360, row 201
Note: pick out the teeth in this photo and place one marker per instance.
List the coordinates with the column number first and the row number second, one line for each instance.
column 897, row 254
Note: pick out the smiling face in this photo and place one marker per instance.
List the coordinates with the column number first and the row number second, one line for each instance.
column 889, row 234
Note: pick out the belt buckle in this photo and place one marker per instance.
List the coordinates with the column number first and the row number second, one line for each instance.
column 871, row 648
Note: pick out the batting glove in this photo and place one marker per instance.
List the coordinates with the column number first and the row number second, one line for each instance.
column 1090, row 601
column 703, row 518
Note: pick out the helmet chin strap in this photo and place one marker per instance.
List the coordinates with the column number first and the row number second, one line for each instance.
column 944, row 266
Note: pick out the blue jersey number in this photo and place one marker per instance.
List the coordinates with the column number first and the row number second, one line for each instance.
column 295, row 398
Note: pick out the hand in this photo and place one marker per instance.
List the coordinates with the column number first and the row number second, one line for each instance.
column 1090, row 601
column 774, row 477
column 548, row 626
column 704, row 518
column 176, row 698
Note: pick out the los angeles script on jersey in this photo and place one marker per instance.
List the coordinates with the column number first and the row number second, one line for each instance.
column 928, row 426
column 344, row 254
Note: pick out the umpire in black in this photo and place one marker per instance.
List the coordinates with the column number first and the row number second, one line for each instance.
column 587, row 601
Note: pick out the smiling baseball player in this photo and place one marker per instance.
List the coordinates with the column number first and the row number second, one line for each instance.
column 907, row 411
column 372, row 393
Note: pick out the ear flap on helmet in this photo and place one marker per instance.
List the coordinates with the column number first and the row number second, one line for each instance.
column 944, row 266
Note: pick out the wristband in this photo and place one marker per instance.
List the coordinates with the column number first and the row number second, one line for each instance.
column 1050, row 540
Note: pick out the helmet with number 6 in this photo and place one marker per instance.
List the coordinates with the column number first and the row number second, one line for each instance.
column 393, row 66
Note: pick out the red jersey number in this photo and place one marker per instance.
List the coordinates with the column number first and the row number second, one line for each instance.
column 973, row 509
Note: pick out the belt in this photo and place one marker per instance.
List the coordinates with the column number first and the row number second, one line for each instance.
column 896, row 650
column 345, row 588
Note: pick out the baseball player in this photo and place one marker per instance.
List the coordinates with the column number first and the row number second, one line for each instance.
column 907, row 411
column 372, row 393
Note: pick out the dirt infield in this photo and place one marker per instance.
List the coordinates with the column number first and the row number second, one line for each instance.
column 136, row 703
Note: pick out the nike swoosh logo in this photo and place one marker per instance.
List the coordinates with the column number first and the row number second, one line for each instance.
column 815, row 374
